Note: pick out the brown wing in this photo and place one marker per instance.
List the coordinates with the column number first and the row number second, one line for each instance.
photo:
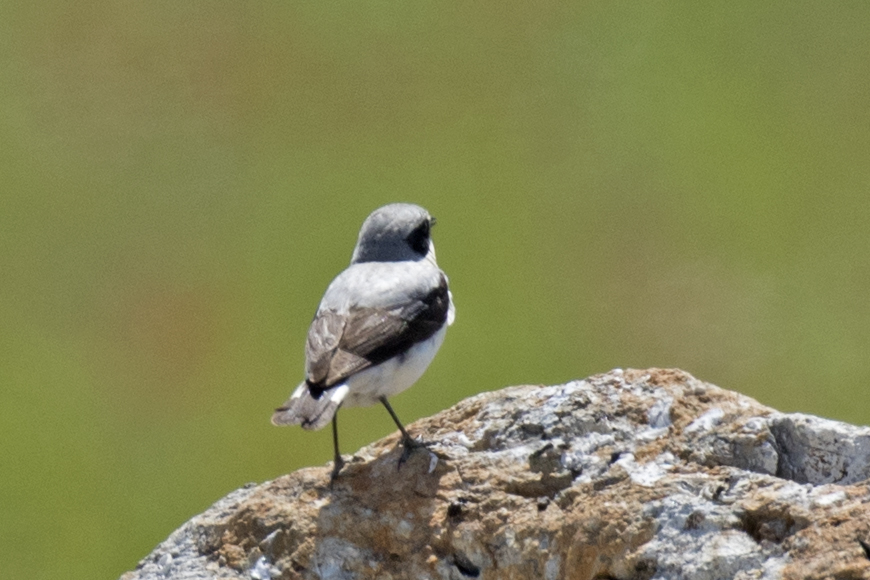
column 342, row 345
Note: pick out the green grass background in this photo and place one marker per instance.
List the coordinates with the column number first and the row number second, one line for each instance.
column 617, row 184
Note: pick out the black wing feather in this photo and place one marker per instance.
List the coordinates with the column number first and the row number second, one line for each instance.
column 341, row 345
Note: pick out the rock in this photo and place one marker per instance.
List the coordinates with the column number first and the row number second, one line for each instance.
column 636, row 474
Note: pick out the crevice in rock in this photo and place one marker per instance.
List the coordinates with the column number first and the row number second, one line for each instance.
column 645, row 569
column 465, row 566
column 769, row 526
column 614, row 457
column 695, row 519
column 456, row 508
column 785, row 469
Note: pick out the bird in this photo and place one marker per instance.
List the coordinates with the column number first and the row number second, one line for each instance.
column 378, row 327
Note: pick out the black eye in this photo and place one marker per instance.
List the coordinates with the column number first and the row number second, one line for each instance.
column 419, row 238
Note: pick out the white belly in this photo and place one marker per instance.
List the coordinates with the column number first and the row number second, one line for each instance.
column 394, row 375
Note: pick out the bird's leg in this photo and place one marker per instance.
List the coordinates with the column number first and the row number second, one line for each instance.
column 409, row 443
column 337, row 462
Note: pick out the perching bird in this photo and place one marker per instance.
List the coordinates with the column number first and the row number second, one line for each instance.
column 378, row 326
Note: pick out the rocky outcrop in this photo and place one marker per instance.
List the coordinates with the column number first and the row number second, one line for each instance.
column 634, row 474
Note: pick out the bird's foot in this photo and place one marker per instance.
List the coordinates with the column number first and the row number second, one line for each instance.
column 337, row 464
column 410, row 445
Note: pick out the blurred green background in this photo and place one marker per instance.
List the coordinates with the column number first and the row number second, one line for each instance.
column 617, row 184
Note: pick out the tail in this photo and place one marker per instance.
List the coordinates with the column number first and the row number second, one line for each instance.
column 303, row 409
